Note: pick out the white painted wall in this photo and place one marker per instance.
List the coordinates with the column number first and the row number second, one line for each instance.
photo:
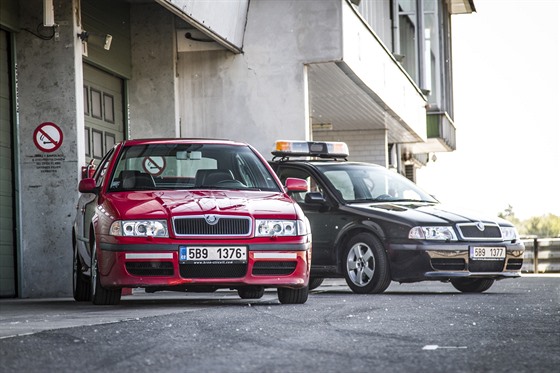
column 261, row 95
column 364, row 145
column 370, row 61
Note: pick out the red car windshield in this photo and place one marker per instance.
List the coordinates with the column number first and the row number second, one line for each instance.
column 190, row 166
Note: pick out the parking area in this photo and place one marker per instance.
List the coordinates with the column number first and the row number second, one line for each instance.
column 19, row 317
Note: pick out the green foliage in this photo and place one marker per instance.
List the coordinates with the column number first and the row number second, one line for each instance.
column 545, row 226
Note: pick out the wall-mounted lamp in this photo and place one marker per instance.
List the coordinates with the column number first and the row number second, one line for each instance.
column 190, row 36
column 48, row 13
column 106, row 39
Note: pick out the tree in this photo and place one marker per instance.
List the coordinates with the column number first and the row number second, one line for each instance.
column 545, row 226
column 509, row 215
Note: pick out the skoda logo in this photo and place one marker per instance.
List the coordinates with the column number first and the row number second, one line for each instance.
column 211, row 219
column 480, row 226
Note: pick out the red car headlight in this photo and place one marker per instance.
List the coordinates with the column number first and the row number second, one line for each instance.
column 267, row 228
column 139, row 228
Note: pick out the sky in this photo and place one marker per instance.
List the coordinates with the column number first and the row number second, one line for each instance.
column 506, row 73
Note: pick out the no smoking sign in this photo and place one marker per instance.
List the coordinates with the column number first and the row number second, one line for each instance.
column 154, row 165
column 47, row 137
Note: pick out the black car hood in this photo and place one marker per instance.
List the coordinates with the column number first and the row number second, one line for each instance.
column 422, row 213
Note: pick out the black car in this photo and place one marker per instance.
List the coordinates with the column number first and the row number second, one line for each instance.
column 372, row 226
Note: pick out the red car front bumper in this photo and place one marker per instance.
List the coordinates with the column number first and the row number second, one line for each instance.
column 120, row 268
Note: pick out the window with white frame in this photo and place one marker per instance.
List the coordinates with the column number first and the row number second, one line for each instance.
column 407, row 19
column 420, row 43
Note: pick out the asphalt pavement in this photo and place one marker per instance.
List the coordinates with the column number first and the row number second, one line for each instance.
column 421, row 327
column 20, row 317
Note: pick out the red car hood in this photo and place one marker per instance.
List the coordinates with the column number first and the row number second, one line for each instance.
column 163, row 204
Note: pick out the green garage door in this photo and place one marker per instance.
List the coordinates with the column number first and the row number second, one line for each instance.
column 7, row 211
column 103, row 111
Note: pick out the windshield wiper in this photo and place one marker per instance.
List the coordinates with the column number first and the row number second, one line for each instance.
column 214, row 187
column 405, row 200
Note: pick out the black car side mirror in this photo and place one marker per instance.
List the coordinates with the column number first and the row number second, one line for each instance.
column 315, row 198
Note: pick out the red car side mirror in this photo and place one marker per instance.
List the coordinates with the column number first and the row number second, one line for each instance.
column 87, row 185
column 296, row 185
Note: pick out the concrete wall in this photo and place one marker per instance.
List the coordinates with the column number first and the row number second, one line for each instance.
column 365, row 145
column 49, row 89
column 152, row 88
column 261, row 95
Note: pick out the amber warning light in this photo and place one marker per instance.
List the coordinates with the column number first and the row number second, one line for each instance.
column 290, row 148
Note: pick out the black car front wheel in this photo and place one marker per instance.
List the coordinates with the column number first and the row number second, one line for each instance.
column 366, row 265
column 472, row 285
column 99, row 294
column 315, row 282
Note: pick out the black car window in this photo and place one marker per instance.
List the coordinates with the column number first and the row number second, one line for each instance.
column 342, row 182
column 359, row 182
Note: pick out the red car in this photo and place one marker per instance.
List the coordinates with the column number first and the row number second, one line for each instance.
column 189, row 215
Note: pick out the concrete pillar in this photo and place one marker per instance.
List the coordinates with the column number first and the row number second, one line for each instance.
column 153, row 109
column 49, row 90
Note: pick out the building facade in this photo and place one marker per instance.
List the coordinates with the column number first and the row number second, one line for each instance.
column 79, row 75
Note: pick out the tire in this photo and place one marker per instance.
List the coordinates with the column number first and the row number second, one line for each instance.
column 99, row 294
column 293, row 296
column 251, row 292
column 472, row 285
column 315, row 282
column 366, row 267
column 81, row 288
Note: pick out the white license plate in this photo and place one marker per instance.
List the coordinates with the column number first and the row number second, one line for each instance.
column 487, row 253
column 213, row 254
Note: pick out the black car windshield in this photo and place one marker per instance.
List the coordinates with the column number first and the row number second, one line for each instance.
column 190, row 166
column 360, row 182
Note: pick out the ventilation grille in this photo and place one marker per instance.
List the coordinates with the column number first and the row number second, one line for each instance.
column 274, row 268
column 150, row 268
column 480, row 231
column 221, row 226
column 213, row 270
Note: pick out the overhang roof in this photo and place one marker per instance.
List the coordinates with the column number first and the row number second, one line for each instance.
column 338, row 103
column 461, row 6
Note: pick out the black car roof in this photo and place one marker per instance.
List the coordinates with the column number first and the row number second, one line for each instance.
column 322, row 162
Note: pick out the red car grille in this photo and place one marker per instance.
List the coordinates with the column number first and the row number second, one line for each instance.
column 150, row 268
column 224, row 226
column 274, row 268
column 213, row 270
